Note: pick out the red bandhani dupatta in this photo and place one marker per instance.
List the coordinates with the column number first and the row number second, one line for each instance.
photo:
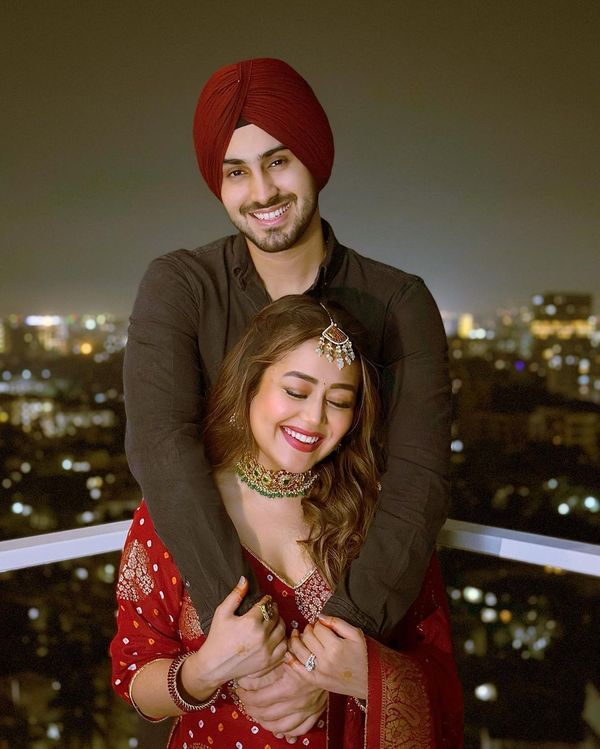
column 414, row 698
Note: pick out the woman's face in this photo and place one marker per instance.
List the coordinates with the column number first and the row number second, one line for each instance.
column 303, row 408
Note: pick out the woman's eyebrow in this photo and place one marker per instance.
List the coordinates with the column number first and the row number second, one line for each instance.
column 314, row 381
column 302, row 376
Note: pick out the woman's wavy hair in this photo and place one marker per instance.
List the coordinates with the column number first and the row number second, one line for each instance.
column 342, row 502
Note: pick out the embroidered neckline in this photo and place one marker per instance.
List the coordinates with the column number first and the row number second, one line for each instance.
column 281, row 579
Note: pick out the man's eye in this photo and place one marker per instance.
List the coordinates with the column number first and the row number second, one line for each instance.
column 235, row 173
column 278, row 162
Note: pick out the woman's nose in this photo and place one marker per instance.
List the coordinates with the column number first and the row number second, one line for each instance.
column 314, row 410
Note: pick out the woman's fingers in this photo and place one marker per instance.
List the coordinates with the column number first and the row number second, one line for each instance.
column 299, row 648
column 312, row 642
column 264, row 611
column 231, row 602
column 280, row 650
column 340, row 627
column 306, row 725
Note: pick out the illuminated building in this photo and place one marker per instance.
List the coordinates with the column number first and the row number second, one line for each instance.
column 508, row 429
column 54, row 421
column 562, row 426
column 40, row 337
column 513, row 335
column 565, row 344
column 3, row 338
column 53, row 334
column 465, row 325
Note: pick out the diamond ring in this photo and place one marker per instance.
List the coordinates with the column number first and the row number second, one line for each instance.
column 311, row 662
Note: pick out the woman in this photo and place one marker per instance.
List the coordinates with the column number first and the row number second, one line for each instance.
column 291, row 436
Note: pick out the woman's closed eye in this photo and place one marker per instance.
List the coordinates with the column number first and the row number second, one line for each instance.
column 295, row 393
column 303, row 396
column 340, row 404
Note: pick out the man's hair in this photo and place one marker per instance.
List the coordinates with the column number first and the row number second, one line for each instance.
column 340, row 506
column 270, row 94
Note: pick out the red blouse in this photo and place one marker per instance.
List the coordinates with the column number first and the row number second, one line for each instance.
column 156, row 619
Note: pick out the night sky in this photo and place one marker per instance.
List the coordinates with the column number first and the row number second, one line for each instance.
column 467, row 140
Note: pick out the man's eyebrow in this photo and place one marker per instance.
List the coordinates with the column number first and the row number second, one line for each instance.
column 313, row 381
column 261, row 156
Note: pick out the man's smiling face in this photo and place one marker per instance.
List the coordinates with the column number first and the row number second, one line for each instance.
column 269, row 194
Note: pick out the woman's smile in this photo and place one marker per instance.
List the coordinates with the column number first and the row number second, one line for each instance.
column 302, row 409
column 300, row 440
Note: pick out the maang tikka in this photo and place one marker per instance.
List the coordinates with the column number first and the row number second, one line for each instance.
column 334, row 344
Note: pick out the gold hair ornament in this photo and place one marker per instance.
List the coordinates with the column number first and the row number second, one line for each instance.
column 334, row 344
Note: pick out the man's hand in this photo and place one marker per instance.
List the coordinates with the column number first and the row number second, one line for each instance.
column 282, row 702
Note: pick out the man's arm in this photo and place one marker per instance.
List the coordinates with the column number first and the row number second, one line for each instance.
column 165, row 393
column 385, row 579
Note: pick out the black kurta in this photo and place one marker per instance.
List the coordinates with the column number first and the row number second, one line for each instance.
column 192, row 307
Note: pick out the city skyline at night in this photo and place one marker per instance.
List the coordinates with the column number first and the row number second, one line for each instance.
column 525, row 455
column 466, row 142
column 467, row 145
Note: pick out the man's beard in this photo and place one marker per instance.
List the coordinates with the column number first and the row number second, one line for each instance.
column 275, row 239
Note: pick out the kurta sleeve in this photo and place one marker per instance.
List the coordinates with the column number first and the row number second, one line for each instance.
column 165, row 393
column 384, row 580
column 150, row 594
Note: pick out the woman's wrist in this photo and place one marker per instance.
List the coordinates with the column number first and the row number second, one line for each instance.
column 359, row 688
column 196, row 678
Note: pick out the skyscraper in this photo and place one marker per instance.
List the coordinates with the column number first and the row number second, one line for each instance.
column 563, row 330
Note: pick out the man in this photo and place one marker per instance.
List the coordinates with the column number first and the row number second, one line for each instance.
column 265, row 148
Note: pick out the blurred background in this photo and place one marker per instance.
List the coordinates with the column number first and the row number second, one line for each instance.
column 467, row 152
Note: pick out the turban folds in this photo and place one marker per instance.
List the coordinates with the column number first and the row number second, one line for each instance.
column 270, row 94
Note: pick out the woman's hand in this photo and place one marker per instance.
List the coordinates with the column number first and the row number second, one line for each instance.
column 236, row 645
column 340, row 654
column 282, row 702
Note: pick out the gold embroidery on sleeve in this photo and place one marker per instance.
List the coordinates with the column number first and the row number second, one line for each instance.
column 405, row 710
column 189, row 622
column 135, row 581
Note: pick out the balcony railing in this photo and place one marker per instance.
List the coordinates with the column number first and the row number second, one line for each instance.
column 545, row 551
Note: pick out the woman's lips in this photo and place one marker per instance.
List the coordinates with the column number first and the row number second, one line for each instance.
column 305, row 442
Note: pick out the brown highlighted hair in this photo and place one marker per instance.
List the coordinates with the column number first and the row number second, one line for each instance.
column 342, row 502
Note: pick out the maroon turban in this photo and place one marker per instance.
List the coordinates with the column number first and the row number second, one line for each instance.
column 270, row 94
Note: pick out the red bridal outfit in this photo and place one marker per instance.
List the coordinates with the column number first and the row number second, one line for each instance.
column 414, row 696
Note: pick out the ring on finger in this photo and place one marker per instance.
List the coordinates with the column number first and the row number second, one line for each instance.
column 266, row 609
column 311, row 662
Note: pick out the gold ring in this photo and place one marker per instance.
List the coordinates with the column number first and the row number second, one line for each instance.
column 266, row 609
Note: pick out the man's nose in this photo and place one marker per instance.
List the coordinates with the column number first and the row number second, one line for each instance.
column 263, row 188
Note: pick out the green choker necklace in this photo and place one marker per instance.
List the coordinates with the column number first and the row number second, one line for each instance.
column 274, row 484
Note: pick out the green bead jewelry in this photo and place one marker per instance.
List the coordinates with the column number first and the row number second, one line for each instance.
column 274, row 484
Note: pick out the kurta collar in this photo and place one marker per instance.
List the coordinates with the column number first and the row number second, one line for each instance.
column 246, row 275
